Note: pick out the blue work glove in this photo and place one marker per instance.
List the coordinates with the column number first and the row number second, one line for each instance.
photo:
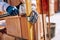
column 12, row 11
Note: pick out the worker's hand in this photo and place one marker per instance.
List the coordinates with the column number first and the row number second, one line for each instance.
column 33, row 17
column 22, row 1
column 12, row 11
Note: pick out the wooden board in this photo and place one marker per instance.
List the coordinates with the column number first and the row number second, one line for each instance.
column 29, row 25
column 7, row 37
column 43, row 7
column 39, row 22
column 24, row 27
column 59, row 5
column 1, row 35
column 13, row 26
column 2, row 27
column 45, row 26
column 56, row 5
column 36, row 31
column 14, row 2
column 38, row 4
column 1, row 12
column 51, row 7
column 41, row 28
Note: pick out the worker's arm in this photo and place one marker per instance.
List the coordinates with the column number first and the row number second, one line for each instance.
column 8, row 8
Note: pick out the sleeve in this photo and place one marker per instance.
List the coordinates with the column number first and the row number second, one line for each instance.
column 3, row 6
